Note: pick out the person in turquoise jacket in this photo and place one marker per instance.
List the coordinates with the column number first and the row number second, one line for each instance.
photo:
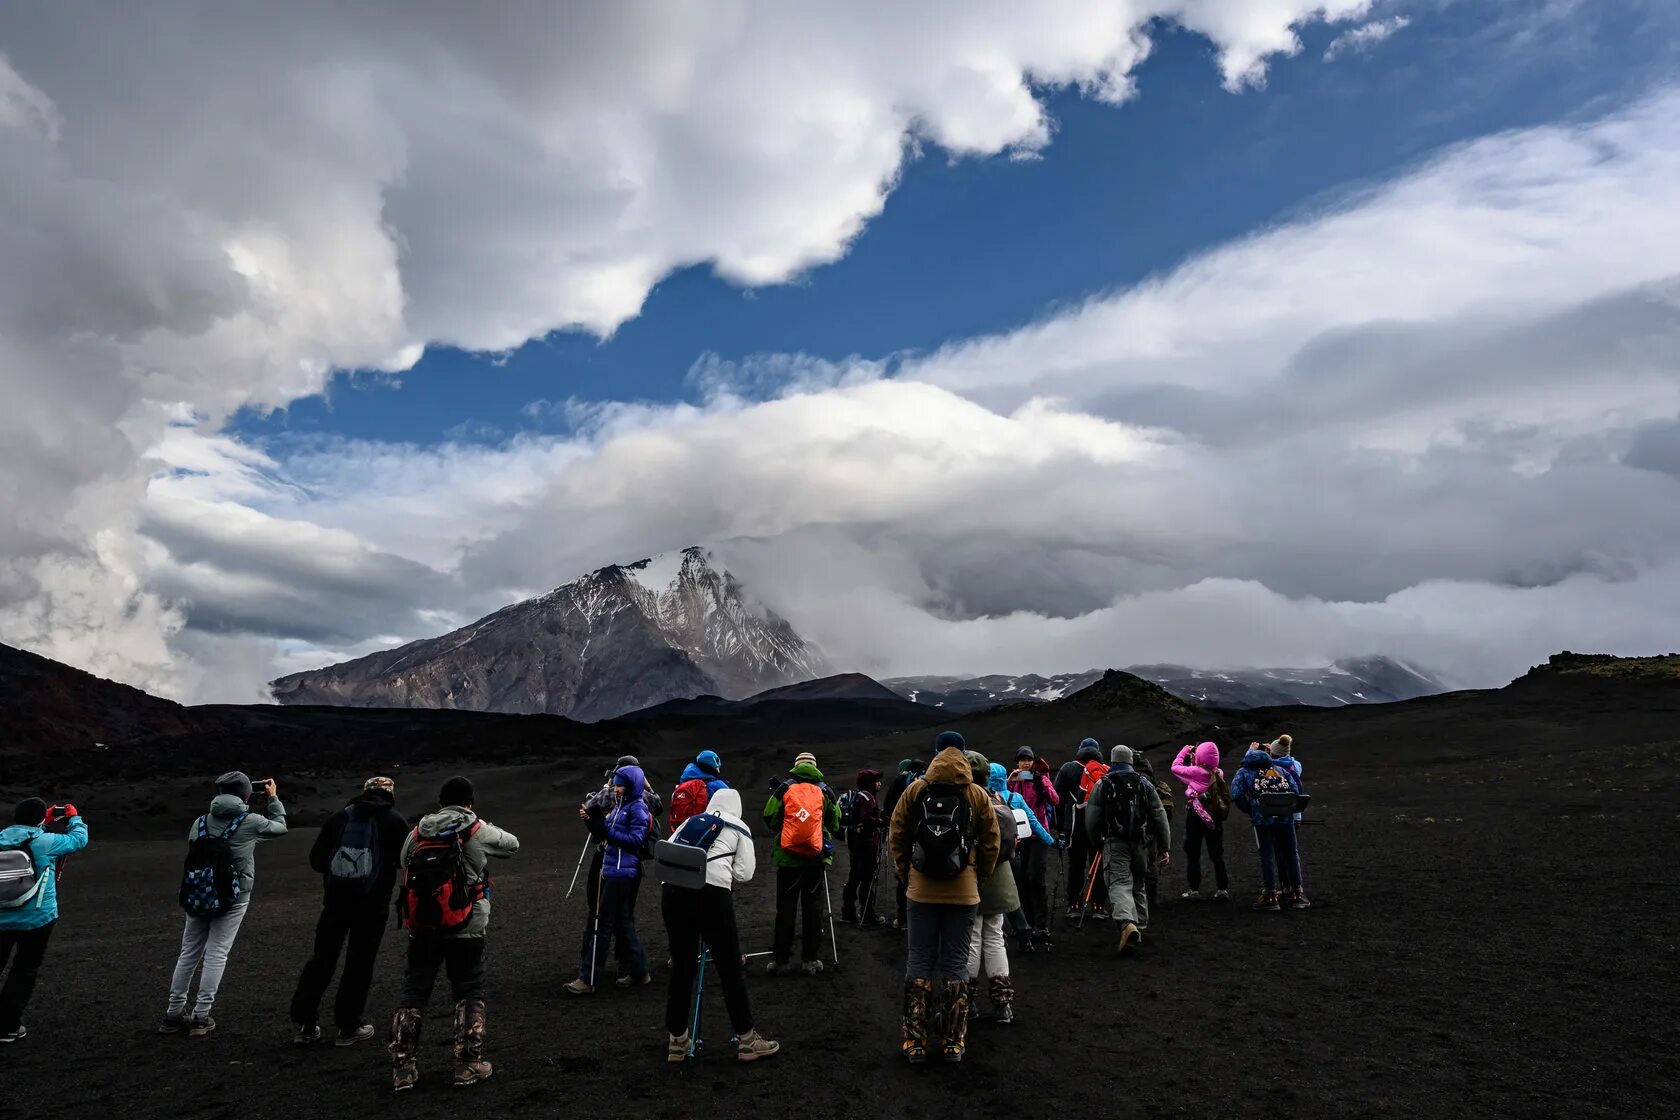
column 25, row 928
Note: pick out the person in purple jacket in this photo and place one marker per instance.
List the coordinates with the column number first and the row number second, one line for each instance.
column 623, row 833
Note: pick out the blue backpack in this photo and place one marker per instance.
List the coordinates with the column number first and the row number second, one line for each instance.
column 681, row 861
column 209, row 884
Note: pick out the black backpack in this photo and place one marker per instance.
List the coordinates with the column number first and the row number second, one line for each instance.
column 941, row 831
column 353, row 870
column 209, row 884
column 1125, row 819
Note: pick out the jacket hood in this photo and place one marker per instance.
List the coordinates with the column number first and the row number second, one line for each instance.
column 1256, row 759
column 1089, row 751
column 446, row 818
column 694, row 771
column 226, row 806
column 997, row 778
column 725, row 801
column 18, row 833
column 634, row 781
column 867, row 778
column 1207, row 756
column 710, row 763
column 950, row 765
column 806, row 772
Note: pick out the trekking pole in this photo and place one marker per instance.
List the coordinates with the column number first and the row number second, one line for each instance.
column 828, row 907
column 578, row 870
column 595, row 923
column 1090, row 887
column 694, row 1018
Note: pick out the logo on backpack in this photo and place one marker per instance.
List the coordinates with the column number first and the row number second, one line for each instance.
column 688, row 801
column 437, row 898
column 942, row 831
column 1121, row 798
column 209, row 885
column 353, row 870
column 20, row 880
column 802, row 819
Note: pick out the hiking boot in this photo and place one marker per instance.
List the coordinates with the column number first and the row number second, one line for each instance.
column 1298, row 899
column 917, row 993
column 1222, row 895
column 872, row 921
column 1072, row 913
column 1130, row 938
column 1004, row 1015
column 201, row 1026
column 813, row 968
column 1268, row 901
column 350, row 1038
column 676, row 1047
column 1041, row 939
column 15, row 1036
column 779, row 968
column 643, row 980
column 306, row 1034
column 1003, row 999
column 172, row 1024
column 470, row 1066
column 1190, row 896
column 579, row 987
column 956, row 1020
column 404, row 1045
column 752, row 1046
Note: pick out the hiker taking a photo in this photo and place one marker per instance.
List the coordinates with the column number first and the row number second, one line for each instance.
column 216, row 883
column 623, row 826
column 1208, row 797
column 1271, row 795
column 30, row 858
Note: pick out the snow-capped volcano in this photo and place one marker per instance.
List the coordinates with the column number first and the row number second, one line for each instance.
column 621, row 638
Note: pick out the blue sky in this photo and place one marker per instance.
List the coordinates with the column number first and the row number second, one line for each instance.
column 968, row 247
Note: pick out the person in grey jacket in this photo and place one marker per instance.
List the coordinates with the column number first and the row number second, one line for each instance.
column 1126, row 863
column 459, row 952
column 209, row 941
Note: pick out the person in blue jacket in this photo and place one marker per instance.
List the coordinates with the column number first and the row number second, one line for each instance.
column 1274, row 834
column 997, row 780
column 708, row 767
column 623, row 833
column 25, row 928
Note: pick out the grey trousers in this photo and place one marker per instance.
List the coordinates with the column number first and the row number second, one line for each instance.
column 1126, row 871
column 940, row 935
column 207, row 941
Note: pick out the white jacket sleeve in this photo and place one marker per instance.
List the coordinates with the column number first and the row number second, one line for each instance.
column 746, row 859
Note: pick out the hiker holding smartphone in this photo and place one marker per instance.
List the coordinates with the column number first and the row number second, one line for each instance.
column 29, row 862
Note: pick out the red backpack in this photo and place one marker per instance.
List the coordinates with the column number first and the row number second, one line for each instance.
column 1094, row 773
column 436, row 897
column 688, row 800
column 803, row 804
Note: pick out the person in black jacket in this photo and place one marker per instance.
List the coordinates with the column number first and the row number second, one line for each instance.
column 863, row 845
column 356, row 906
column 909, row 770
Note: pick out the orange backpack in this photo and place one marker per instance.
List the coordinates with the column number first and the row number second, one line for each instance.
column 802, row 819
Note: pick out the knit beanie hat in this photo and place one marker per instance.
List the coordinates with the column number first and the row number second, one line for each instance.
column 1023, row 754
column 806, row 758
column 980, row 765
column 908, row 766
column 949, row 739
column 236, row 783
column 1120, row 756
column 30, row 811
column 456, row 791
column 1089, row 751
column 385, row 784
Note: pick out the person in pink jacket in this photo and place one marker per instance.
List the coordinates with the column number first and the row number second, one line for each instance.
column 1031, row 779
column 1208, row 802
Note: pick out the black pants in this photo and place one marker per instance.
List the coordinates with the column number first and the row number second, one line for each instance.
column 801, row 888
column 461, row 957
column 362, row 924
column 25, row 949
column 705, row 915
column 902, row 902
column 1080, row 855
column 1196, row 833
column 1034, row 881
column 860, row 879
column 616, row 926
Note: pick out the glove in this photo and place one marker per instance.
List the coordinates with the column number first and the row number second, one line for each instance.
column 1061, row 842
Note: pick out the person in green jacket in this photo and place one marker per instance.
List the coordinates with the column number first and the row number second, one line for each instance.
column 803, row 817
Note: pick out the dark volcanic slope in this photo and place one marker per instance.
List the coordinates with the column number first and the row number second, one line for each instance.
column 47, row 707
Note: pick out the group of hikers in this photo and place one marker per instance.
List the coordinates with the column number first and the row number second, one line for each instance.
column 970, row 843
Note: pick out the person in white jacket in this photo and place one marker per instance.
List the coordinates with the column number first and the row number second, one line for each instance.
column 708, row 915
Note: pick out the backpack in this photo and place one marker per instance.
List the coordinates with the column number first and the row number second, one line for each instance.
column 353, row 870
column 848, row 813
column 1088, row 779
column 681, row 861
column 1006, row 828
column 209, row 885
column 436, row 897
column 688, row 801
column 20, row 881
column 1124, row 815
column 941, row 831
column 1275, row 793
column 802, row 819
column 1217, row 799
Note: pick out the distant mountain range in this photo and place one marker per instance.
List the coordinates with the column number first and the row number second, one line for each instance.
column 620, row 639
column 1364, row 680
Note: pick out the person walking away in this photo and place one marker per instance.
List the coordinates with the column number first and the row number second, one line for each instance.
column 1037, row 837
column 1269, row 794
column 700, row 780
column 1126, row 822
column 1081, row 855
column 863, row 845
column 804, row 816
column 1031, row 780
column 1282, row 750
column 1208, row 796
column 623, row 832
column 708, row 916
column 999, row 896
column 909, row 769
column 217, row 881
column 944, row 841
column 1163, row 789
column 29, row 863
column 445, row 906
column 357, row 853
